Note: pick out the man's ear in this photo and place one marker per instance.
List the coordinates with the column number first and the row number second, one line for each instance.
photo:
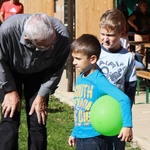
column 26, row 38
column 93, row 59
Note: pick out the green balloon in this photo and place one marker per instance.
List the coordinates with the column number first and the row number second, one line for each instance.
column 106, row 117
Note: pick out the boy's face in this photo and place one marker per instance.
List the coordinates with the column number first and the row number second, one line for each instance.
column 81, row 62
column 110, row 39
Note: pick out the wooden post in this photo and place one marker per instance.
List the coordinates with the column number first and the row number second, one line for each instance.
column 69, row 61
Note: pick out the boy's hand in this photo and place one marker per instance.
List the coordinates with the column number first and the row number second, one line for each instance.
column 71, row 141
column 126, row 134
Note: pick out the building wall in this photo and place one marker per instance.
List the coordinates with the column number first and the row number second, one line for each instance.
column 46, row 6
column 88, row 14
column 34, row 6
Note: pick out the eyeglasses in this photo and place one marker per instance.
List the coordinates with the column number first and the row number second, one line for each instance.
column 44, row 48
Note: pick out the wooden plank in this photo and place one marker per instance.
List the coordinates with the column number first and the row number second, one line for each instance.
column 88, row 13
column 139, row 42
column 143, row 74
column 147, row 45
column 34, row 6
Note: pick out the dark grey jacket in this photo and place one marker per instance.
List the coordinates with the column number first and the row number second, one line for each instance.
column 17, row 56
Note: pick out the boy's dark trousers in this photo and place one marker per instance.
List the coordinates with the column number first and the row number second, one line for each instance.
column 93, row 143
column 114, row 143
column 37, row 136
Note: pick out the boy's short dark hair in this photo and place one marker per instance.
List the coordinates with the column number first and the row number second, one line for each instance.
column 87, row 44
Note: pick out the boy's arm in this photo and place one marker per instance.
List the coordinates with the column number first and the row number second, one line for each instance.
column 130, row 90
column 72, row 137
column 73, row 134
column 122, row 98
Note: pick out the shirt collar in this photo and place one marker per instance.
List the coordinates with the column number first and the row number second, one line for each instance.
column 26, row 43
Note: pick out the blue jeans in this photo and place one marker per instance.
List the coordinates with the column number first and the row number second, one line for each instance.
column 94, row 143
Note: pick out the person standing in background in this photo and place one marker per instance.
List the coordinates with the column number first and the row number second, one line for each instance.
column 10, row 8
column 123, row 8
column 140, row 21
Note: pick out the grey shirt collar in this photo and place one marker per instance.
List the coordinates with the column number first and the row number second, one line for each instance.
column 26, row 43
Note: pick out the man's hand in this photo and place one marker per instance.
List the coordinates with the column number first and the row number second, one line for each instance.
column 10, row 104
column 126, row 134
column 40, row 107
column 71, row 141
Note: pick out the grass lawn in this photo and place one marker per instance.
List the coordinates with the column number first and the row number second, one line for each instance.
column 59, row 125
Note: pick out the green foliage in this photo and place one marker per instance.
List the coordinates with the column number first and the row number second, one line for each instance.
column 132, row 146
